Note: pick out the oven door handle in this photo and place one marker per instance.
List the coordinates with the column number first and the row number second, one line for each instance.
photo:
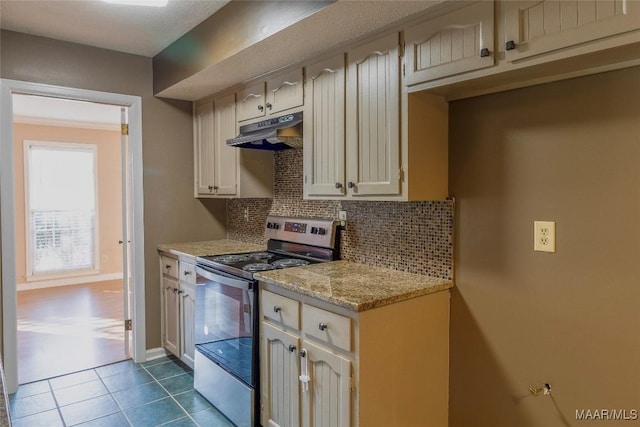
column 224, row 280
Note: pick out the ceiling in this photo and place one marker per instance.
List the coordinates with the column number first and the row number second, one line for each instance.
column 138, row 30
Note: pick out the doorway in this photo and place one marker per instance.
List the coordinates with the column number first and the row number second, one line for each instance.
column 70, row 207
column 132, row 236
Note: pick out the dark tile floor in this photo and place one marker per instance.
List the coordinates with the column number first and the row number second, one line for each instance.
column 155, row 393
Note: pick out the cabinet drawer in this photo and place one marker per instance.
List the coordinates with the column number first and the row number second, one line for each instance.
column 326, row 326
column 281, row 309
column 169, row 266
column 187, row 272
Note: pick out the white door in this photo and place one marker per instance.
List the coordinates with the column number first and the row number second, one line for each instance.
column 187, row 312
column 250, row 102
column 126, row 238
column 135, row 233
column 204, row 149
column 225, row 162
column 171, row 313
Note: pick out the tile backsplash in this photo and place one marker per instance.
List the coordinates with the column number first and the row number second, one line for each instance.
column 409, row 236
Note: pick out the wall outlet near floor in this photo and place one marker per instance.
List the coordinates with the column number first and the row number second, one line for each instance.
column 246, row 214
column 544, row 236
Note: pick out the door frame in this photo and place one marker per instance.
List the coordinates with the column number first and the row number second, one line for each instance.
column 7, row 215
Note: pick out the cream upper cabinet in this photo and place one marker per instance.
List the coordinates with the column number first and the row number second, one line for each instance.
column 543, row 26
column 280, row 93
column 225, row 157
column 215, row 163
column 324, row 133
column 204, row 148
column 373, row 118
column 455, row 43
column 220, row 170
column 251, row 102
column 285, row 91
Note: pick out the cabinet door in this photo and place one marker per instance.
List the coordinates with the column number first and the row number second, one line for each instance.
column 204, row 147
column 285, row 91
column 373, row 118
column 171, row 316
column 280, row 385
column 187, row 322
column 250, row 102
column 327, row 403
column 226, row 158
column 537, row 27
column 455, row 43
column 324, row 128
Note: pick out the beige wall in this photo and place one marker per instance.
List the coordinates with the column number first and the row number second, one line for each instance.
column 567, row 152
column 171, row 212
column 109, row 189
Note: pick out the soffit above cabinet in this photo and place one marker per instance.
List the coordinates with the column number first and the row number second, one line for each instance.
column 246, row 39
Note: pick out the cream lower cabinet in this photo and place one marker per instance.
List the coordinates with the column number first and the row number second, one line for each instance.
column 178, row 308
column 386, row 366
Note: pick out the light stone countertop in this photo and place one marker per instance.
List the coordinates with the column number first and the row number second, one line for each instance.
column 192, row 250
column 357, row 287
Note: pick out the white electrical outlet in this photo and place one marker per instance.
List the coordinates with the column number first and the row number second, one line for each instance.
column 342, row 217
column 544, row 236
column 246, row 214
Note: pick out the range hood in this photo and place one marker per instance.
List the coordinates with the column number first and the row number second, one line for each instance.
column 271, row 134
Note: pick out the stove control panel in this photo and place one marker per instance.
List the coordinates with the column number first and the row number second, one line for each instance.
column 311, row 231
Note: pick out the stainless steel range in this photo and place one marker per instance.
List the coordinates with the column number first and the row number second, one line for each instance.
column 226, row 359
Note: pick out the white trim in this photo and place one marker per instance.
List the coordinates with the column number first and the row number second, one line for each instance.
column 156, row 353
column 62, row 146
column 67, row 281
column 42, row 121
column 7, row 214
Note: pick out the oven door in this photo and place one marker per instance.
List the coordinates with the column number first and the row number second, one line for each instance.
column 226, row 316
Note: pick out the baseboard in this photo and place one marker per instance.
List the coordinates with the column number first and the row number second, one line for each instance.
column 155, row 353
column 67, row 281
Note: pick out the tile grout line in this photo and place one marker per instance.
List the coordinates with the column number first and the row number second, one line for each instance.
column 114, row 399
column 64, row 423
column 171, row 396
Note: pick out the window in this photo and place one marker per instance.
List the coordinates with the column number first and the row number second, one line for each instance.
column 61, row 208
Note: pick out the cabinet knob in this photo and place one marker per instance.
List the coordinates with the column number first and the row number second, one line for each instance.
column 187, row 273
column 210, row 188
column 292, row 348
column 350, row 184
column 175, row 290
column 338, row 185
column 322, row 326
column 510, row 45
column 484, row 52
column 260, row 108
column 180, row 292
column 167, row 266
column 276, row 309
column 269, row 106
column 215, row 187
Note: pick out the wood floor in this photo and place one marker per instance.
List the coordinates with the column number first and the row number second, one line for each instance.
column 68, row 329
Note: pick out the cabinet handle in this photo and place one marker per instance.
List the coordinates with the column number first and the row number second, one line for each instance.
column 350, row 184
column 510, row 45
column 187, row 273
column 322, row 326
column 260, row 108
column 180, row 292
column 175, row 290
column 484, row 52
column 276, row 309
column 338, row 185
column 292, row 348
column 215, row 187
column 269, row 106
column 210, row 188
column 168, row 267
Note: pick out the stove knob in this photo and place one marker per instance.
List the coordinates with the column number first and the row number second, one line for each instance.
column 276, row 226
column 314, row 230
column 322, row 231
